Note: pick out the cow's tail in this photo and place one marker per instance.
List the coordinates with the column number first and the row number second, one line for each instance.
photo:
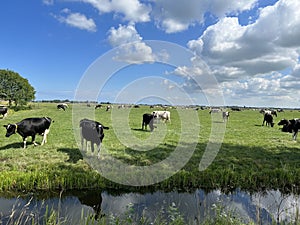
column 106, row 128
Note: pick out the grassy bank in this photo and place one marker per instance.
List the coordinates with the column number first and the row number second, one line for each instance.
column 251, row 156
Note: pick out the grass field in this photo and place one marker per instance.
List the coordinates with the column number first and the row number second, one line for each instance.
column 251, row 157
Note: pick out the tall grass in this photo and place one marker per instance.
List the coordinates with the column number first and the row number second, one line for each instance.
column 218, row 214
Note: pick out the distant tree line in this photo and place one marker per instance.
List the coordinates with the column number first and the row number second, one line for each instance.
column 15, row 89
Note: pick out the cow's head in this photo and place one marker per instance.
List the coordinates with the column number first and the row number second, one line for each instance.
column 10, row 129
column 283, row 122
column 100, row 132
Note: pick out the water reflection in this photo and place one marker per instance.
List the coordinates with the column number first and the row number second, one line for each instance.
column 261, row 208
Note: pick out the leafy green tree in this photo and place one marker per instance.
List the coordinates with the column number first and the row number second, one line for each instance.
column 14, row 88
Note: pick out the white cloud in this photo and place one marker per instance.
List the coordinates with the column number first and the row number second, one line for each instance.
column 122, row 35
column 177, row 15
column 77, row 20
column 129, row 10
column 257, row 48
column 131, row 48
column 135, row 53
column 248, row 60
column 48, row 2
column 296, row 71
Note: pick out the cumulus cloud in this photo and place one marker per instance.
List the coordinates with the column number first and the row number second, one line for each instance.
column 177, row 15
column 257, row 48
column 129, row 10
column 123, row 34
column 77, row 20
column 245, row 59
column 131, row 48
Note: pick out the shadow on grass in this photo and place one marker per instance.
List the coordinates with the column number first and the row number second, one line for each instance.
column 140, row 129
column 17, row 145
column 12, row 145
column 74, row 154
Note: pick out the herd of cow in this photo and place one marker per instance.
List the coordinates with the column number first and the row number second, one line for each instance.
column 93, row 131
column 291, row 126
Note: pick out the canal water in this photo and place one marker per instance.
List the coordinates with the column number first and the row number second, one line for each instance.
column 261, row 207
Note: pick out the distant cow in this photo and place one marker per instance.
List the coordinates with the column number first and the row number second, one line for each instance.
column 225, row 116
column 265, row 111
column 30, row 127
column 164, row 115
column 3, row 112
column 236, row 109
column 292, row 125
column 215, row 110
column 98, row 106
column 268, row 118
column 62, row 106
column 148, row 119
column 92, row 131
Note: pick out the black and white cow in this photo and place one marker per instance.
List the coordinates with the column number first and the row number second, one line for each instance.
column 148, row 119
column 164, row 115
column 92, row 131
column 268, row 118
column 30, row 127
column 98, row 106
column 225, row 116
column 215, row 110
column 62, row 106
column 266, row 111
column 292, row 125
column 3, row 111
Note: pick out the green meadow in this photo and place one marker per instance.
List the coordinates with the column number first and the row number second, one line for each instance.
column 252, row 157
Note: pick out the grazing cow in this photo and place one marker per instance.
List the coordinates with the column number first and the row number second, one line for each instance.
column 215, row 110
column 292, row 125
column 3, row 112
column 268, row 118
column 272, row 112
column 236, row 109
column 98, row 106
column 225, row 116
column 108, row 108
column 92, row 131
column 164, row 115
column 286, row 125
column 62, row 106
column 30, row 127
column 148, row 119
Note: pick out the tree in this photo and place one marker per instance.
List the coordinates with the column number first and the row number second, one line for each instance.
column 14, row 88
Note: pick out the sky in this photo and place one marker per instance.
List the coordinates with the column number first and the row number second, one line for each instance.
column 205, row 52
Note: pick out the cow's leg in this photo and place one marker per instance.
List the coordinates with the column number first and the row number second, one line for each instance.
column 295, row 134
column 92, row 147
column 98, row 148
column 33, row 140
column 82, row 142
column 24, row 141
column 45, row 136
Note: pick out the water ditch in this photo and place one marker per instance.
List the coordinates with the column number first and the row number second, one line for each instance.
column 261, row 207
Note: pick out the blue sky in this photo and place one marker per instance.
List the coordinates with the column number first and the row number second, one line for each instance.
column 250, row 48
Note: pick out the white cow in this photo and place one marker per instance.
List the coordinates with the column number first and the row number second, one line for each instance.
column 164, row 115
